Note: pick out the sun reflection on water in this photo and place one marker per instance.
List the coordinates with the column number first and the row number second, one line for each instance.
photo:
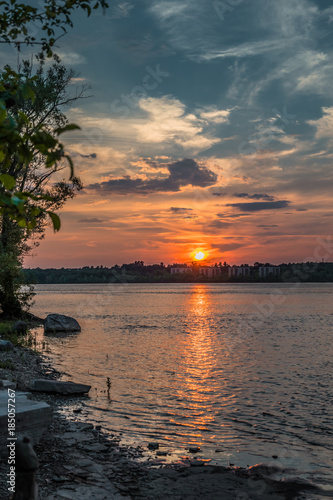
column 198, row 385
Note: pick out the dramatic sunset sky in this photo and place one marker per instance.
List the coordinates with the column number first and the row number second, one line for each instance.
column 210, row 128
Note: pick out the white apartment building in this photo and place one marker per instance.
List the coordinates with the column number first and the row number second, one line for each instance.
column 239, row 271
column 180, row 269
column 266, row 270
column 209, row 271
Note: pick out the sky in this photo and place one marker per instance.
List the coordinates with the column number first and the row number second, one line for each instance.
column 210, row 128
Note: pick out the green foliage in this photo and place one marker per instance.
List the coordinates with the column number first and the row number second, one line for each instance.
column 27, row 340
column 53, row 18
column 14, row 298
column 6, row 328
column 21, row 139
column 28, row 197
column 30, row 149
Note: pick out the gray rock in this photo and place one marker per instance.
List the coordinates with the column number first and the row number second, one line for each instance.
column 7, row 384
column 195, row 449
column 59, row 323
column 42, row 385
column 20, row 327
column 84, row 492
column 153, row 446
column 32, row 418
column 6, row 345
column 81, row 426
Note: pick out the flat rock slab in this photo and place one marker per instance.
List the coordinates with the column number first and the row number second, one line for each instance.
column 7, row 384
column 6, row 345
column 32, row 418
column 90, row 492
column 56, row 386
column 57, row 323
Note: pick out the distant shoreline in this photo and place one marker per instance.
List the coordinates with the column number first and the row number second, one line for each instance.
column 310, row 272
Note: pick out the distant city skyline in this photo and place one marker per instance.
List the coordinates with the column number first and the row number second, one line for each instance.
column 210, row 130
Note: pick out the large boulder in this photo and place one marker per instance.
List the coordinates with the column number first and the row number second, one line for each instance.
column 41, row 385
column 20, row 327
column 55, row 323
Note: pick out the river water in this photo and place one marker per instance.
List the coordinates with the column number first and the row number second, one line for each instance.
column 244, row 371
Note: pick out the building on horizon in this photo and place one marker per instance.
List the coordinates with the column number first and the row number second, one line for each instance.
column 243, row 270
column 177, row 269
column 267, row 269
column 209, row 271
column 258, row 269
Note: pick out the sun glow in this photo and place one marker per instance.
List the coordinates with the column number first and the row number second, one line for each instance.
column 199, row 256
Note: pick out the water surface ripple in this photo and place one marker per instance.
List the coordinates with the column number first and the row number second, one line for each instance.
column 243, row 368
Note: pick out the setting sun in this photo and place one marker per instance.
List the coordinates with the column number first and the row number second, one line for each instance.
column 199, row 256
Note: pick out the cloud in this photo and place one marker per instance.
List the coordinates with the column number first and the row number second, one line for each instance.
column 324, row 124
column 231, row 216
column 77, row 80
column 179, row 210
column 185, row 212
column 168, row 9
column 121, row 10
column 266, row 197
column 182, row 173
column 226, row 247
column 92, row 220
column 71, row 58
column 92, row 155
column 257, row 206
column 151, row 126
column 168, row 122
column 218, row 224
column 247, row 49
column 214, row 115
column 267, row 225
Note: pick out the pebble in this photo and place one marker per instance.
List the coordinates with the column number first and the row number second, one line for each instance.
column 153, row 446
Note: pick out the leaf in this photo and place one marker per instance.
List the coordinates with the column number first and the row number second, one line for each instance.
column 35, row 211
column 28, row 93
column 16, row 201
column 7, row 180
column 55, row 221
column 86, row 6
column 70, row 126
column 22, row 222
column 31, row 224
column 3, row 110
column 71, row 165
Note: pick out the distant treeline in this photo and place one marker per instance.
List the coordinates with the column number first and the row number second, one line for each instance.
column 137, row 272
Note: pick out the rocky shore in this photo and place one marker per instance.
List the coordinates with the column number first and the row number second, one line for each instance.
column 80, row 461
